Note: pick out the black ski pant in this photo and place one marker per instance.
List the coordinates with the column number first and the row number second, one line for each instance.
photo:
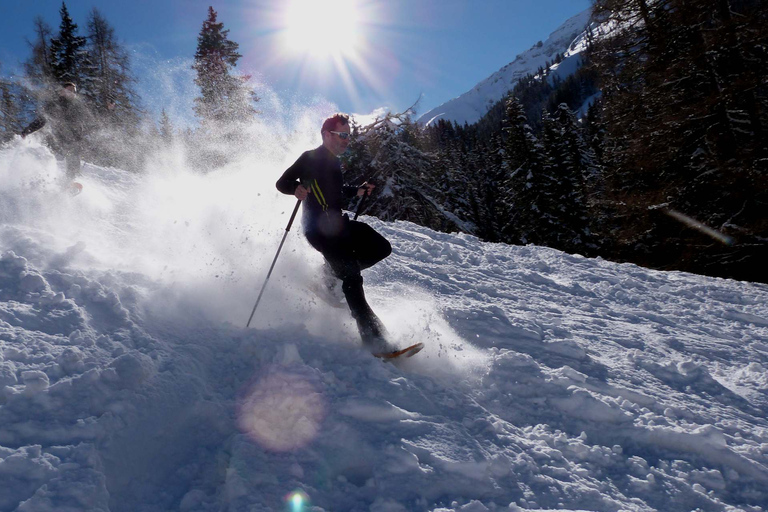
column 358, row 247
column 70, row 149
column 72, row 159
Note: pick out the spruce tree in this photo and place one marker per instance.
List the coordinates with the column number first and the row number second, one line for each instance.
column 390, row 152
column 568, row 162
column 486, row 190
column 10, row 109
column 68, row 52
column 111, row 91
column 685, row 108
column 115, row 135
column 524, row 205
column 461, row 187
column 226, row 98
column 167, row 131
column 38, row 68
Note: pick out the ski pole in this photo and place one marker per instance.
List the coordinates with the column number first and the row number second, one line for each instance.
column 264, row 286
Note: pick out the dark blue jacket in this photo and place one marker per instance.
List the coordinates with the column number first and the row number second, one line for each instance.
column 320, row 172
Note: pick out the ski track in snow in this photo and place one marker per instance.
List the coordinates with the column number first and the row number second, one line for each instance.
column 549, row 381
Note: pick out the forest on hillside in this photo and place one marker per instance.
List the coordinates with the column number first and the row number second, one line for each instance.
column 666, row 168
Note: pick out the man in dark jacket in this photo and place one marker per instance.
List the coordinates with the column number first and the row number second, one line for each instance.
column 68, row 118
column 348, row 246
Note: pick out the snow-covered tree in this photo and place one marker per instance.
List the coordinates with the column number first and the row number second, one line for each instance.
column 38, row 68
column 115, row 132
column 475, row 179
column 388, row 152
column 525, row 205
column 68, row 55
column 111, row 82
column 568, row 161
column 226, row 97
column 10, row 109
column 166, row 130
column 487, row 191
column 685, row 111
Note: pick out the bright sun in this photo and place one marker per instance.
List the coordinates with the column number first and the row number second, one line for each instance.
column 321, row 28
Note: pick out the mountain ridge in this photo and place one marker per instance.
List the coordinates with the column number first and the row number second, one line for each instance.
column 568, row 39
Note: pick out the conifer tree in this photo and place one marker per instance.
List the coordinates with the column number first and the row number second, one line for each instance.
column 461, row 186
column 486, row 191
column 167, row 131
column 38, row 68
column 111, row 90
column 389, row 152
column 568, row 162
column 595, row 130
column 524, row 205
column 10, row 110
column 685, row 109
column 600, row 209
column 68, row 53
column 226, row 98
column 115, row 135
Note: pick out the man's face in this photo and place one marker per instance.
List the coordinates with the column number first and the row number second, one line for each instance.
column 68, row 91
column 334, row 142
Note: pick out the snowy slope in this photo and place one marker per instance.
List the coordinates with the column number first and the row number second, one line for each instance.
column 470, row 107
column 549, row 382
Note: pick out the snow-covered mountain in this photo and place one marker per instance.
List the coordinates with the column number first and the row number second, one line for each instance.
column 549, row 381
column 470, row 107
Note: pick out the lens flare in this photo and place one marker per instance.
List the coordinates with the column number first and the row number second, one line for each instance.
column 297, row 501
column 694, row 224
column 283, row 412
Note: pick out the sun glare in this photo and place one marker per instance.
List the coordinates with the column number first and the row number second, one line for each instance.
column 321, row 28
column 328, row 46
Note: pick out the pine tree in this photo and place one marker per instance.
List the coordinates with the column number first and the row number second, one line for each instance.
column 685, row 109
column 595, row 130
column 68, row 56
column 461, row 185
column 568, row 162
column 10, row 110
column 38, row 68
column 167, row 131
column 599, row 207
column 524, row 205
column 486, row 191
column 226, row 98
column 111, row 90
column 114, row 134
column 390, row 152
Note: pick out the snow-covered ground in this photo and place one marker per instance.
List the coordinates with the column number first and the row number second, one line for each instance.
column 549, row 381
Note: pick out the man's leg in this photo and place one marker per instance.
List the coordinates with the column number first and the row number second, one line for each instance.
column 372, row 331
column 367, row 245
column 340, row 254
column 72, row 159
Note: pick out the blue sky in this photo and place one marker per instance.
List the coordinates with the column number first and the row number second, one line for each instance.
column 402, row 49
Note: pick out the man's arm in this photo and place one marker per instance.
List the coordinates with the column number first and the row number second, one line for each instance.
column 290, row 181
column 349, row 191
column 366, row 188
column 33, row 126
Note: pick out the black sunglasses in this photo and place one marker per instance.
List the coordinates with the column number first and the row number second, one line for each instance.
column 342, row 135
